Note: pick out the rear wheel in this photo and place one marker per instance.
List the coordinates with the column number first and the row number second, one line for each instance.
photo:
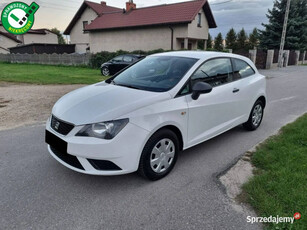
column 255, row 116
column 159, row 155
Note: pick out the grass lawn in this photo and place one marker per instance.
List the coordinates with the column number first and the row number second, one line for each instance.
column 47, row 74
column 280, row 184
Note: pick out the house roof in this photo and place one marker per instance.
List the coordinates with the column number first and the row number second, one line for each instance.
column 184, row 12
column 97, row 7
column 10, row 36
column 39, row 31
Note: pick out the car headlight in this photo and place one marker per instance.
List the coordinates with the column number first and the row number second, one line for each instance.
column 104, row 130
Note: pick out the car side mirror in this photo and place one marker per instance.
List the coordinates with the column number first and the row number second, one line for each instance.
column 200, row 88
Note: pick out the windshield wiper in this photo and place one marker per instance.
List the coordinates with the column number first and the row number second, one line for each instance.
column 129, row 86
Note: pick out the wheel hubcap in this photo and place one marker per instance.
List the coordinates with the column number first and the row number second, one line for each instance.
column 105, row 72
column 162, row 155
column 257, row 115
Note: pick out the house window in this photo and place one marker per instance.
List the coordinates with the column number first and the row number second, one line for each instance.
column 199, row 20
column 85, row 23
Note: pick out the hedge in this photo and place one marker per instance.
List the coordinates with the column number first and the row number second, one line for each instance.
column 104, row 56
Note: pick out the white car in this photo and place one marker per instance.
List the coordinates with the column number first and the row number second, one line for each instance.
column 140, row 119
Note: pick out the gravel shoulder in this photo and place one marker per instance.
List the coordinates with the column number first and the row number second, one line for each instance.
column 25, row 104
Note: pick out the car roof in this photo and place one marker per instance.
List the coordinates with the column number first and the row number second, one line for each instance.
column 199, row 54
column 205, row 55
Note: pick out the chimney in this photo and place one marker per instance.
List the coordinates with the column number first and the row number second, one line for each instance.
column 103, row 3
column 130, row 5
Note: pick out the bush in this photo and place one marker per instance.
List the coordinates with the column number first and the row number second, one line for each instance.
column 104, row 56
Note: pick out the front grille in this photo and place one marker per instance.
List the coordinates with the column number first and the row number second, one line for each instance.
column 60, row 126
column 103, row 165
column 67, row 158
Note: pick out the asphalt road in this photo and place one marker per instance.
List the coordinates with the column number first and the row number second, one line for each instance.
column 38, row 193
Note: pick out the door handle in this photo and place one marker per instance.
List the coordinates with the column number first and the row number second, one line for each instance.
column 235, row 90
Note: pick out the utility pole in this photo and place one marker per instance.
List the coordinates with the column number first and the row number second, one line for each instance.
column 283, row 35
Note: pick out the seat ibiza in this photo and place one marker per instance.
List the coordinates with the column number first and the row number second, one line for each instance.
column 141, row 118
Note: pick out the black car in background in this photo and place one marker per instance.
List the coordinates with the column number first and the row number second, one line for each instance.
column 118, row 63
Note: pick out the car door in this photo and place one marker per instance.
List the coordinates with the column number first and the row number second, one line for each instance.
column 116, row 65
column 212, row 113
column 245, row 83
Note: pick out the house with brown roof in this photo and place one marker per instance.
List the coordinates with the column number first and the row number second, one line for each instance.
column 84, row 16
column 169, row 26
column 8, row 40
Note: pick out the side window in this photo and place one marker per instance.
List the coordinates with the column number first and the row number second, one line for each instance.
column 118, row 59
column 128, row 59
column 214, row 72
column 85, row 23
column 241, row 69
column 199, row 20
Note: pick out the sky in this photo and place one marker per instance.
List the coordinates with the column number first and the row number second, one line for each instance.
column 228, row 13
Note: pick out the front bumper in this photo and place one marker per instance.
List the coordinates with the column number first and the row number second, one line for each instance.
column 97, row 156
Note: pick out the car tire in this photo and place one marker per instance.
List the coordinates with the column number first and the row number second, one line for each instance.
column 159, row 155
column 255, row 116
column 105, row 71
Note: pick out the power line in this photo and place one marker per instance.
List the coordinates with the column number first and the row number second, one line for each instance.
column 219, row 3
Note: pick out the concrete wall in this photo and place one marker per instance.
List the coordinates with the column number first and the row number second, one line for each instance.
column 47, row 59
column 199, row 32
column 30, row 38
column 77, row 36
column 6, row 43
column 147, row 38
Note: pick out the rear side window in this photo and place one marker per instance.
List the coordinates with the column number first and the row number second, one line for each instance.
column 242, row 69
column 128, row 59
column 214, row 72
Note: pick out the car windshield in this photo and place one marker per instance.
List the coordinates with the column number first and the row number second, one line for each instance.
column 157, row 73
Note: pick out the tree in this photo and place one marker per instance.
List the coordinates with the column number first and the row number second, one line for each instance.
column 253, row 39
column 296, row 36
column 231, row 39
column 200, row 44
column 209, row 42
column 242, row 40
column 218, row 42
column 60, row 36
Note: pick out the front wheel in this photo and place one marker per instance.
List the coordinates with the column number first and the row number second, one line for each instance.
column 105, row 71
column 255, row 116
column 159, row 155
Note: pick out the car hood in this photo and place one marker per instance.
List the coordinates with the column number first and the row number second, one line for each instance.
column 103, row 102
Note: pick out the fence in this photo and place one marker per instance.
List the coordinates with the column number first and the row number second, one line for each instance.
column 267, row 59
column 47, row 59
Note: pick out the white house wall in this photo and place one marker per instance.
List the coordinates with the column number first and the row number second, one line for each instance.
column 49, row 38
column 6, row 43
column 77, row 36
column 199, row 32
column 147, row 38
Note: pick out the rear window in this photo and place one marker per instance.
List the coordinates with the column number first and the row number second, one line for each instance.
column 242, row 69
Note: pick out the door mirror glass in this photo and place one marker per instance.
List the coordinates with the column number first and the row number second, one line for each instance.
column 200, row 88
